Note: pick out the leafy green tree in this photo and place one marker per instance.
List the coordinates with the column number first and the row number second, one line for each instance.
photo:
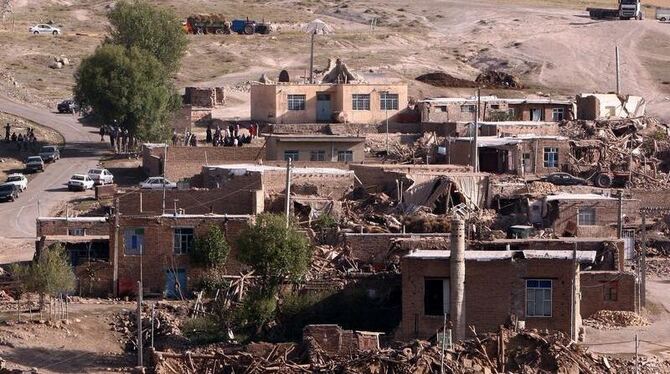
column 274, row 251
column 212, row 249
column 155, row 30
column 129, row 86
column 49, row 274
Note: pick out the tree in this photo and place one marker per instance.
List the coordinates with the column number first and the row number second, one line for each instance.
column 275, row 252
column 129, row 86
column 212, row 249
column 49, row 274
column 157, row 31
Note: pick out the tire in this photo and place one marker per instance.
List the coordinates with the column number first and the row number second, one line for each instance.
column 603, row 180
column 36, row 32
column 219, row 32
column 249, row 29
column 199, row 31
column 55, row 33
column 662, row 19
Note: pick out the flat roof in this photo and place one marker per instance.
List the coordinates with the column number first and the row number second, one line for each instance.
column 76, row 238
column 294, row 170
column 207, row 215
column 317, row 138
column 578, row 196
column 73, row 219
column 492, row 141
column 473, row 99
column 582, row 256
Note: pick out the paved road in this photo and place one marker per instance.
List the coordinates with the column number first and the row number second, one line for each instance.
column 82, row 151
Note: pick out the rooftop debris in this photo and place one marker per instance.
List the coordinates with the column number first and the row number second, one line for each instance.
column 498, row 79
column 506, row 351
column 614, row 319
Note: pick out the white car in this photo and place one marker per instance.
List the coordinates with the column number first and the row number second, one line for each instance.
column 101, row 176
column 80, row 182
column 158, row 183
column 44, row 29
column 18, row 179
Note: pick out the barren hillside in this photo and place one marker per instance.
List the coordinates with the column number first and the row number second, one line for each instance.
column 551, row 45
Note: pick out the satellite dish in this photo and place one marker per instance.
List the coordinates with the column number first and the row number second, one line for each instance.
column 283, row 76
column 318, row 27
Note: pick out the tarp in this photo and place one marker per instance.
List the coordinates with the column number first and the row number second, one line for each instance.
column 427, row 189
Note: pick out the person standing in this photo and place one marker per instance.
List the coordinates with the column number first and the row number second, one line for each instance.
column 8, row 130
column 102, row 133
column 208, row 134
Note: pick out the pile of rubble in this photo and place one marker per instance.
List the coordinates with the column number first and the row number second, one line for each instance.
column 626, row 147
column 167, row 325
column 441, row 79
column 498, row 79
column 506, row 351
column 611, row 319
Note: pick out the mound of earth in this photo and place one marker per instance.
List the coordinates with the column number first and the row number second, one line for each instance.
column 441, row 79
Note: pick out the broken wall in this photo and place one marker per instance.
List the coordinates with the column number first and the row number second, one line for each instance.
column 607, row 290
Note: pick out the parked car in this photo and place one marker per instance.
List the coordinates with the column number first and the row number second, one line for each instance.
column 17, row 179
column 67, row 106
column 44, row 29
column 564, row 179
column 157, row 183
column 101, row 176
column 34, row 163
column 9, row 192
column 80, row 182
column 50, row 153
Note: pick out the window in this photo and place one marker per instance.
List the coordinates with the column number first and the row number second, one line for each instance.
column 557, row 114
column 292, row 154
column 610, row 291
column 388, row 101
column 133, row 241
column 436, row 297
column 76, row 232
column 511, row 112
column 183, row 240
column 360, row 102
column 550, row 157
column 317, row 156
column 296, row 102
column 586, row 217
column 345, row 156
column 538, row 298
column 468, row 108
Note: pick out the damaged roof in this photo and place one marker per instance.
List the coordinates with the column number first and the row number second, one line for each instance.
column 582, row 256
column 494, row 141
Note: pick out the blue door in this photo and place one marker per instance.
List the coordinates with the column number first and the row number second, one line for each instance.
column 323, row 111
column 175, row 283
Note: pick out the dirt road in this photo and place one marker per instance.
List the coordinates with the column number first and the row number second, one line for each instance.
column 47, row 190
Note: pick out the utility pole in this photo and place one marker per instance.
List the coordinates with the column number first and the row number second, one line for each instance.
column 444, row 335
column 115, row 264
column 620, row 216
column 643, row 262
column 574, row 296
column 637, row 365
column 475, row 150
column 288, row 191
column 616, row 52
column 164, row 167
column 311, row 60
column 139, row 324
column 387, row 127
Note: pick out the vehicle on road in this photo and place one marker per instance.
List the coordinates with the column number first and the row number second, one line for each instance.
column 44, row 29
column 9, row 192
column 157, row 183
column 17, row 179
column 564, row 179
column 50, row 153
column 67, row 106
column 663, row 14
column 34, row 164
column 101, row 176
column 80, row 182
column 627, row 9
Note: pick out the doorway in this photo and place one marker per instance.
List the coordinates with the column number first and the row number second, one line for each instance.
column 175, row 283
column 323, row 108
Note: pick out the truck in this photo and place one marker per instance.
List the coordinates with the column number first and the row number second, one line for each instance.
column 207, row 24
column 627, row 9
column 248, row 27
column 663, row 14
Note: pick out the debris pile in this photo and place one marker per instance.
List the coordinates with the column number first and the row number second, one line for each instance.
column 59, row 62
column 441, row 79
column 506, row 351
column 167, row 325
column 614, row 319
column 498, row 79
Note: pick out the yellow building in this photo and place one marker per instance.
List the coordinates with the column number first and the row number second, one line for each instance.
column 327, row 102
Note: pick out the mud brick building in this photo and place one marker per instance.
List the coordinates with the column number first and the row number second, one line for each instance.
column 356, row 103
column 536, row 286
column 523, row 154
column 74, row 226
column 191, row 201
column 158, row 248
column 492, row 108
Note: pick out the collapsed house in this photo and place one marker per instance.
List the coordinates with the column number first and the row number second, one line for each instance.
column 494, row 109
column 592, row 106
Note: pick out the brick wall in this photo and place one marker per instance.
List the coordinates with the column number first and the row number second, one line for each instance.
column 503, row 129
column 374, row 248
column 486, row 306
column 94, row 279
column 60, row 226
column 607, row 290
column 158, row 255
column 378, row 178
column 607, row 212
column 208, row 97
column 336, row 341
column 150, row 202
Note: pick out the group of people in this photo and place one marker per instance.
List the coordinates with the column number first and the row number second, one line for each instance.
column 230, row 136
column 119, row 138
column 23, row 142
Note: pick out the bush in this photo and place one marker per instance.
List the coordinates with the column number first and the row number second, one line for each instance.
column 212, row 249
column 324, row 222
column 204, row 330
